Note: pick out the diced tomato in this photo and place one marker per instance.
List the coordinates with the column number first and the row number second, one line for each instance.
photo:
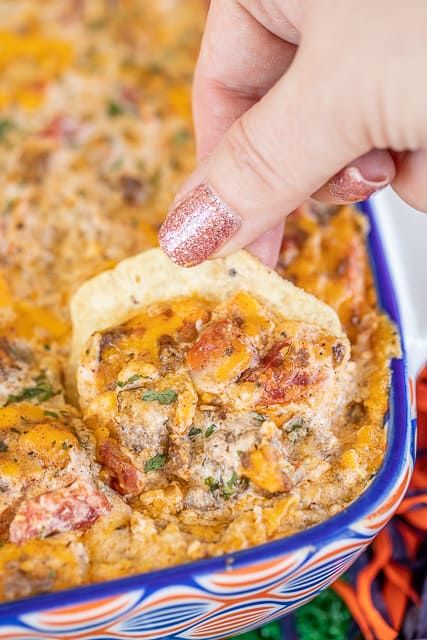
column 61, row 127
column 74, row 507
column 132, row 95
column 124, row 474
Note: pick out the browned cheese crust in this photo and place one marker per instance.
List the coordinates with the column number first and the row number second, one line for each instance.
column 211, row 420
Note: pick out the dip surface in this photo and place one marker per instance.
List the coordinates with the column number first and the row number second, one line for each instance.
column 206, row 427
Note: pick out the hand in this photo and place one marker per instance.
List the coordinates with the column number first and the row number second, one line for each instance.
column 300, row 98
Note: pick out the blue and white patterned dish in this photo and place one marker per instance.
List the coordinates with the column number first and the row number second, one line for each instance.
column 219, row 597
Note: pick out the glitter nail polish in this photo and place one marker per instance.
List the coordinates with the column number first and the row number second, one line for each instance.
column 351, row 186
column 197, row 226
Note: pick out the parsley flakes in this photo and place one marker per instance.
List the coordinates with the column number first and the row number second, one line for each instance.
column 51, row 414
column 154, row 463
column 6, row 125
column 230, row 487
column 130, row 380
column 226, row 489
column 211, row 483
column 42, row 391
column 210, row 430
column 114, row 109
column 164, row 397
column 296, row 429
column 181, row 136
column 257, row 416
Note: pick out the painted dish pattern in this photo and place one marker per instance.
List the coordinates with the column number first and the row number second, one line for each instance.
column 207, row 606
column 213, row 605
column 219, row 597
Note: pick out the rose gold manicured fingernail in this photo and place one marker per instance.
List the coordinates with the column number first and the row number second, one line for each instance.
column 197, row 226
column 350, row 185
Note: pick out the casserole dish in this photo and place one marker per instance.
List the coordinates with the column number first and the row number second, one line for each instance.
column 219, row 597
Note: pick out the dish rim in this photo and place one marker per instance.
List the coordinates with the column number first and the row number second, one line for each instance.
column 400, row 445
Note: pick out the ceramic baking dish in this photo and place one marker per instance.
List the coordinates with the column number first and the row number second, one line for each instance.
column 219, row 597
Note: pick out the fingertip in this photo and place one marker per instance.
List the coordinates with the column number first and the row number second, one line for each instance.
column 267, row 247
column 360, row 179
column 410, row 182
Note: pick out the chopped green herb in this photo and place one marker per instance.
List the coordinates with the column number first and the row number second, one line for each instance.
column 130, row 380
column 8, row 206
column 164, row 397
column 295, row 423
column 52, row 573
column 66, row 446
column 181, row 136
column 296, row 428
column 211, row 483
column 114, row 109
column 117, row 164
column 97, row 24
column 194, row 432
column 42, row 390
column 154, row 178
column 230, row 487
column 6, row 125
column 258, row 416
column 3, row 447
column 154, row 68
column 51, row 414
column 154, row 463
column 210, row 430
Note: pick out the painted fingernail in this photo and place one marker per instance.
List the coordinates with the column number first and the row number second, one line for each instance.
column 350, row 185
column 197, row 226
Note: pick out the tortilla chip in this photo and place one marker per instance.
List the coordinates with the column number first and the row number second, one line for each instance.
column 117, row 295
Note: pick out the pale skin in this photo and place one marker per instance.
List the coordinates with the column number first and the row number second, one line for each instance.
column 288, row 93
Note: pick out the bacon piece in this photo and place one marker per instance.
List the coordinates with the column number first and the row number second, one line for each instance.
column 74, row 507
column 125, row 478
column 285, row 374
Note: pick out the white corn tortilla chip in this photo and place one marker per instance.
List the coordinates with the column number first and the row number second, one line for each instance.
column 115, row 296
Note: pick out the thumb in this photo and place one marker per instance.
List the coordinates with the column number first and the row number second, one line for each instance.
column 274, row 157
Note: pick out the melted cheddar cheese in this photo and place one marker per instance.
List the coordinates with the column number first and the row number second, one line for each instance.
column 203, row 429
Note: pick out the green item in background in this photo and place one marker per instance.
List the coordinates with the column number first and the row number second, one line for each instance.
column 269, row 631
column 324, row 618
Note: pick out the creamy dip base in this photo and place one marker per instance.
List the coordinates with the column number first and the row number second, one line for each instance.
column 95, row 139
